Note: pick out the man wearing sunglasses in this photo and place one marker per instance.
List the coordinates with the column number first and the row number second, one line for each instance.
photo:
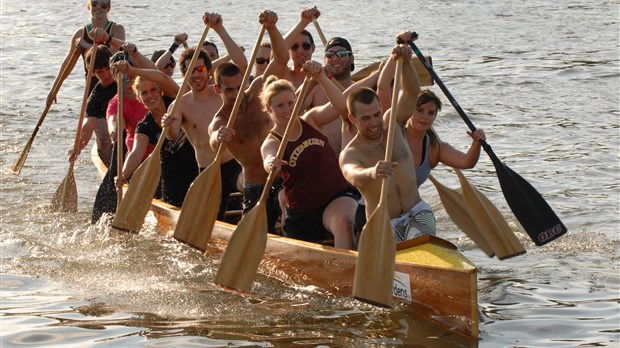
column 98, row 20
column 339, row 62
column 198, row 107
column 301, row 45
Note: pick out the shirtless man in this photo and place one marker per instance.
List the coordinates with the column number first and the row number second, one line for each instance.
column 252, row 123
column 198, row 107
column 362, row 161
column 98, row 20
column 301, row 46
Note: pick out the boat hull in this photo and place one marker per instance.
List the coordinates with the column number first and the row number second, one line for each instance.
column 432, row 279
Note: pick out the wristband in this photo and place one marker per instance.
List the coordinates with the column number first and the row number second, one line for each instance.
column 173, row 47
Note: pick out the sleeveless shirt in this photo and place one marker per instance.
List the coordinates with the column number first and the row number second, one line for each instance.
column 424, row 170
column 109, row 26
column 312, row 177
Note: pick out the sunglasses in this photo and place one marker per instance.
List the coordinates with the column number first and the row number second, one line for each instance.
column 306, row 46
column 340, row 54
column 170, row 65
column 200, row 69
column 103, row 5
column 261, row 60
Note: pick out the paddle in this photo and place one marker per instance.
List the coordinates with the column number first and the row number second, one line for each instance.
column 529, row 207
column 490, row 221
column 17, row 167
column 324, row 40
column 247, row 244
column 120, row 89
column 452, row 201
column 105, row 199
column 202, row 202
column 132, row 211
column 374, row 271
column 65, row 198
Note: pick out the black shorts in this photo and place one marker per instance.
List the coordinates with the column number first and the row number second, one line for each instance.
column 229, row 173
column 308, row 225
column 251, row 195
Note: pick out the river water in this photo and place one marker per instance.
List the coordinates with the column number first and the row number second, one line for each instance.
column 541, row 77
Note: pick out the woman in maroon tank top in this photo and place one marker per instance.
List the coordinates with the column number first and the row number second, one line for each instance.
column 319, row 201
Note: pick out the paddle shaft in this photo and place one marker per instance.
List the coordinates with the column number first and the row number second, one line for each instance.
column 318, row 30
column 391, row 128
column 120, row 90
column 529, row 207
column 17, row 167
column 63, row 200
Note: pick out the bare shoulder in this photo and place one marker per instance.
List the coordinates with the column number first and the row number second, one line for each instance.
column 351, row 153
column 118, row 31
column 78, row 33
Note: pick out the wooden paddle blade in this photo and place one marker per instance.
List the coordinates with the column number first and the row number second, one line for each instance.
column 200, row 208
column 244, row 251
column 458, row 211
column 17, row 167
column 374, row 271
column 490, row 221
column 134, row 207
column 529, row 207
column 65, row 198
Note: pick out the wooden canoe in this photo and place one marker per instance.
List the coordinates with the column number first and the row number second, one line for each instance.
column 432, row 279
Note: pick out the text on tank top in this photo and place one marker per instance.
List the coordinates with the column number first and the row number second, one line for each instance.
column 312, row 176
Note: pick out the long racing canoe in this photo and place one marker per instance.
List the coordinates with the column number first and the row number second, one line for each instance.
column 432, row 279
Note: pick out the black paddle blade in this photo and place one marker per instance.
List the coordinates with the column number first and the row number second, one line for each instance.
column 105, row 200
column 529, row 207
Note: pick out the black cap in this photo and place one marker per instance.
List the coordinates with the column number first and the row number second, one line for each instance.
column 339, row 41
